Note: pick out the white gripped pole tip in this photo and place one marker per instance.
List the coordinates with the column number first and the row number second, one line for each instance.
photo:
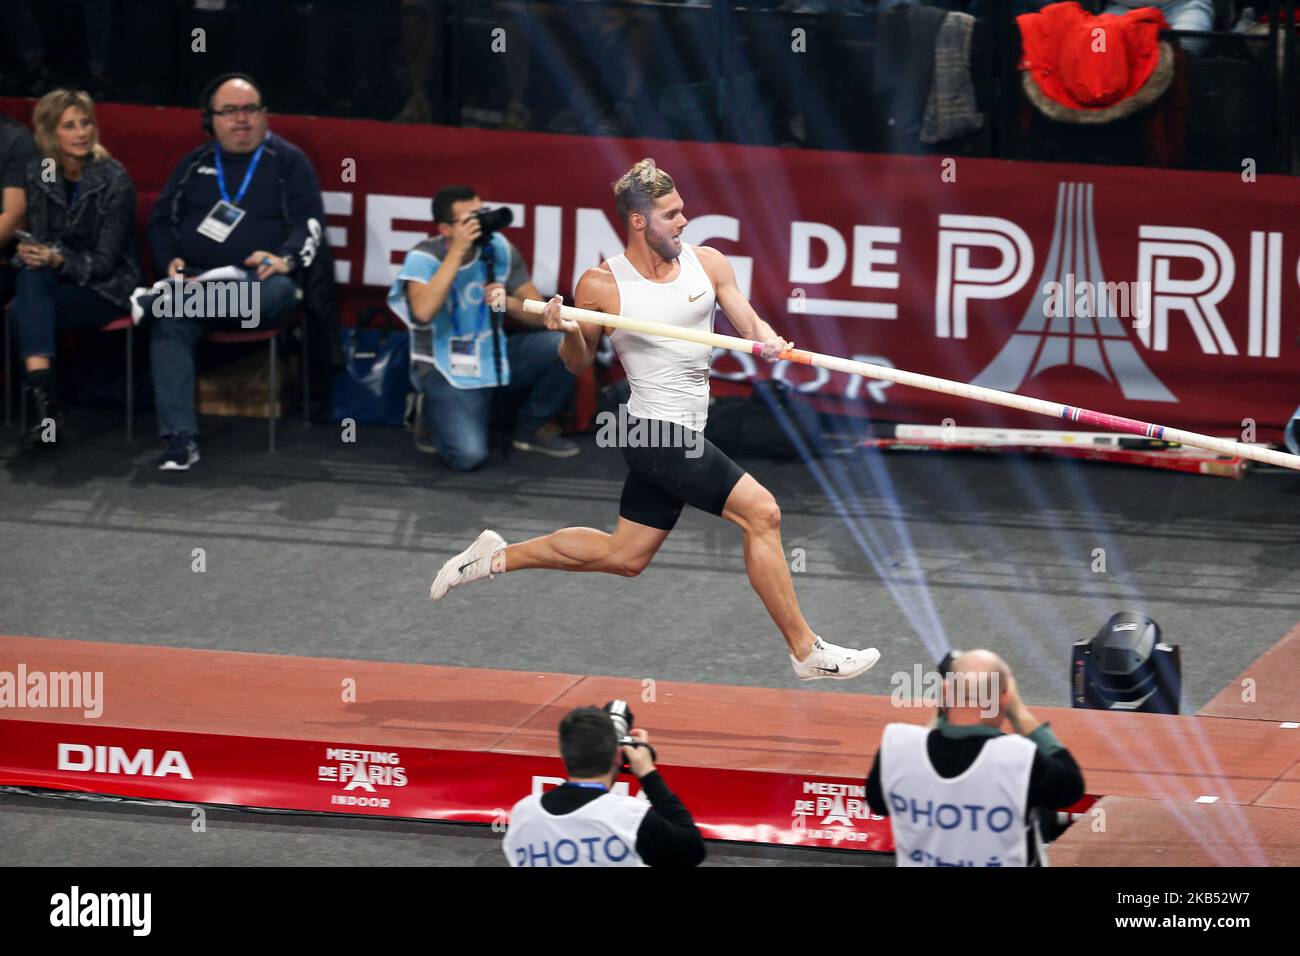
column 931, row 383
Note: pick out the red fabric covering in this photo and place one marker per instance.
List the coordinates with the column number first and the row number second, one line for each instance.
column 1071, row 64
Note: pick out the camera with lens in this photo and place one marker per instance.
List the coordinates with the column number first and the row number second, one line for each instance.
column 621, row 716
column 490, row 221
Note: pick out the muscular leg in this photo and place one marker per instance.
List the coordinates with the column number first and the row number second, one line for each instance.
column 753, row 508
column 627, row 551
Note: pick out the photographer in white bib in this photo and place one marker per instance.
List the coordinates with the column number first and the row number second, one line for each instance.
column 582, row 823
column 961, row 792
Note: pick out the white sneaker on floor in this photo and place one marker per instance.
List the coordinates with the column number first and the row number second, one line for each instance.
column 471, row 564
column 834, row 662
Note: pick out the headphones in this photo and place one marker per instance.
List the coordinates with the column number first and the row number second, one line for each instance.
column 209, row 91
column 945, row 668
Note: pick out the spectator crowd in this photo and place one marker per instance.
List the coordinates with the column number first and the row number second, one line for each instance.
column 231, row 239
column 593, row 66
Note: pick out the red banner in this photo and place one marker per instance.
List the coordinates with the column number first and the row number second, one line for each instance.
column 984, row 271
column 460, row 785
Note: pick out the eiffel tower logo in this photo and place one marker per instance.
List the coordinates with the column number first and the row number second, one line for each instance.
column 1044, row 340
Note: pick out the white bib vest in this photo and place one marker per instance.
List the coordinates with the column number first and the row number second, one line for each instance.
column 601, row 833
column 669, row 378
column 976, row 818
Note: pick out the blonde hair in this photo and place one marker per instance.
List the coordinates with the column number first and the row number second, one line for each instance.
column 639, row 187
column 49, row 111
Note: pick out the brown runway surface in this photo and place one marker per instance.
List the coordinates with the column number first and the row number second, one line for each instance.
column 1168, row 833
column 795, row 730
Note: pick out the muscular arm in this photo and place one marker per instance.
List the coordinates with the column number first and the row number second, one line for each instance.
column 598, row 292
column 732, row 300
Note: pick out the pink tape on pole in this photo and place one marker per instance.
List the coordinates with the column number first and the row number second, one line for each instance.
column 1113, row 422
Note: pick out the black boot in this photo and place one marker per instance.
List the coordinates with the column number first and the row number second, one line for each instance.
column 42, row 409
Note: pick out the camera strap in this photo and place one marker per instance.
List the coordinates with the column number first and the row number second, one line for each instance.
column 489, row 255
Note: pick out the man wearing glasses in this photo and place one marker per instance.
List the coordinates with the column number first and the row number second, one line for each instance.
column 247, row 203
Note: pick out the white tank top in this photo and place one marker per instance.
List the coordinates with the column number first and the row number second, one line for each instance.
column 599, row 833
column 976, row 818
column 669, row 377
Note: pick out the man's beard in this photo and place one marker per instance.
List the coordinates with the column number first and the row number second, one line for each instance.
column 663, row 246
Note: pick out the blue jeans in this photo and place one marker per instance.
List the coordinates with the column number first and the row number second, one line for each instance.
column 171, row 352
column 1181, row 14
column 458, row 417
column 45, row 303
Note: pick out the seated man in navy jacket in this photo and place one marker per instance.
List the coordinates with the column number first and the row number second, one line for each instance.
column 246, row 200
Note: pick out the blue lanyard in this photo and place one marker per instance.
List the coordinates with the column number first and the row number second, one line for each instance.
column 76, row 191
column 455, row 311
column 248, row 176
column 454, row 299
column 589, row 786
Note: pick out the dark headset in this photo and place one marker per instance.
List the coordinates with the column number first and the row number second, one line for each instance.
column 209, row 91
column 945, row 668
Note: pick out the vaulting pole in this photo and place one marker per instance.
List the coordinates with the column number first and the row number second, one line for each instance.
column 993, row 396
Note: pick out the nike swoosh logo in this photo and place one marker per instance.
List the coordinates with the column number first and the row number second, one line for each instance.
column 477, row 560
column 830, row 670
column 692, row 298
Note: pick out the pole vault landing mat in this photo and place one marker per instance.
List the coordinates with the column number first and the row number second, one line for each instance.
column 463, row 744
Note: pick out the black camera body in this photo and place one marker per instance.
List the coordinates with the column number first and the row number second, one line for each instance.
column 621, row 716
column 490, row 221
column 945, row 668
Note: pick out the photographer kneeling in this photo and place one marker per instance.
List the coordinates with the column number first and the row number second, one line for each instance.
column 453, row 291
column 582, row 824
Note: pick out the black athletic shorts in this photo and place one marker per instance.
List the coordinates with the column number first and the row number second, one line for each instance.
column 661, row 480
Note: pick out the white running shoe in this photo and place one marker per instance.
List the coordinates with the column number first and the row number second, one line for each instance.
column 471, row 564
column 834, row 662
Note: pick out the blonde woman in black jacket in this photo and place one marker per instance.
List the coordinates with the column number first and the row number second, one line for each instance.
column 79, row 265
